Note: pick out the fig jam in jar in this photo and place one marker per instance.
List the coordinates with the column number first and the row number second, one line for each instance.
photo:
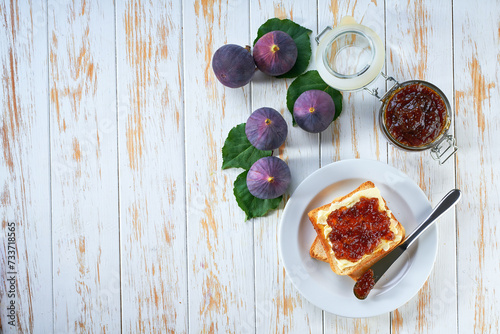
column 415, row 115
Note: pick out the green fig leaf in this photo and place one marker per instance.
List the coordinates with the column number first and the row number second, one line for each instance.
column 301, row 37
column 308, row 81
column 237, row 151
column 253, row 206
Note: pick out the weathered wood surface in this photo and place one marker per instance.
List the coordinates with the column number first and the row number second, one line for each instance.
column 220, row 262
column 84, row 167
column 112, row 125
column 151, row 150
column 476, row 29
column 25, row 198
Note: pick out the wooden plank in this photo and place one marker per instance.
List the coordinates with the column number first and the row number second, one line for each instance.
column 419, row 47
column 24, row 166
column 220, row 242
column 279, row 306
column 152, row 186
column 84, row 166
column 477, row 91
column 355, row 134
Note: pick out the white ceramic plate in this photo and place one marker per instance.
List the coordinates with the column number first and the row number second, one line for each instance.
column 315, row 280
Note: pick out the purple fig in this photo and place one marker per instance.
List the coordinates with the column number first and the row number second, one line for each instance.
column 314, row 110
column 266, row 129
column 275, row 53
column 268, row 178
column 233, row 65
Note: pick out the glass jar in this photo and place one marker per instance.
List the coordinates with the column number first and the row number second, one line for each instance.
column 443, row 146
column 351, row 56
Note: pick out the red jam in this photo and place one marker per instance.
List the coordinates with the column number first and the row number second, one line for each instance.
column 357, row 230
column 364, row 285
column 415, row 115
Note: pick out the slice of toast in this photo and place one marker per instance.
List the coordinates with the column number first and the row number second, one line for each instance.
column 317, row 251
column 322, row 249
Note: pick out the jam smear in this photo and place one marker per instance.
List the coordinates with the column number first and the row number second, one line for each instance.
column 357, row 230
column 364, row 285
column 415, row 115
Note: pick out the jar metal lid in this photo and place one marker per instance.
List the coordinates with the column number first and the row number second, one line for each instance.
column 349, row 56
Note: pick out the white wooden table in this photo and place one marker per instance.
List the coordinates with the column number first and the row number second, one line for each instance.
column 112, row 124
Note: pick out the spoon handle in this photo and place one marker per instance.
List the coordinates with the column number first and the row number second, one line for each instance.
column 446, row 203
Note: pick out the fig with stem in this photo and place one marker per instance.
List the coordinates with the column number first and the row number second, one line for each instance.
column 275, row 53
column 233, row 65
column 266, row 129
column 314, row 110
column 269, row 177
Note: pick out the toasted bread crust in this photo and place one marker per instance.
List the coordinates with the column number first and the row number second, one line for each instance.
column 357, row 270
column 317, row 251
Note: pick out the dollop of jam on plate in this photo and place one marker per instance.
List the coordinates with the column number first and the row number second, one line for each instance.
column 364, row 285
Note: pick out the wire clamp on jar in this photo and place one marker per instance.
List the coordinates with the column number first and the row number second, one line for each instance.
column 317, row 38
column 374, row 91
column 439, row 152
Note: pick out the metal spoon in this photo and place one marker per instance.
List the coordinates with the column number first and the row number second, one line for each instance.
column 366, row 282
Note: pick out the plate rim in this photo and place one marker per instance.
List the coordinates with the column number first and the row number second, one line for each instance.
column 431, row 232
